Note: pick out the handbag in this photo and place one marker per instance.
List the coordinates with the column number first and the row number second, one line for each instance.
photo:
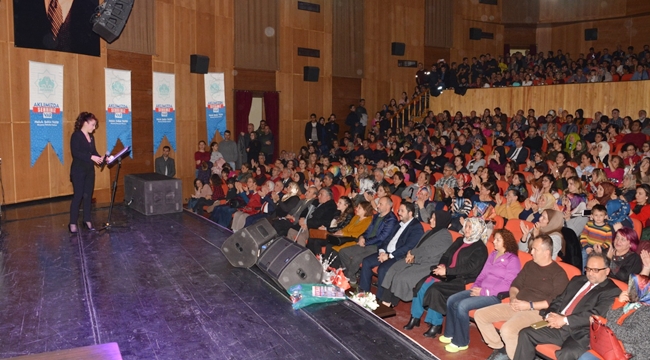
column 603, row 341
column 339, row 240
column 318, row 234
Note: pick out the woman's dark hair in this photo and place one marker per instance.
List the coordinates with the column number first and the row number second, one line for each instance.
column 195, row 180
column 82, row 118
column 215, row 179
column 367, row 208
column 349, row 211
column 491, row 187
column 552, row 180
column 399, row 175
column 509, row 241
column 521, row 177
column 213, row 144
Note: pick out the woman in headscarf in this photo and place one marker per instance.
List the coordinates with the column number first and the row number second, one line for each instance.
column 533, row 209
column 501, row 268
column 402, row 277
column 458, row 266
column 579, row 148
column 550, row 223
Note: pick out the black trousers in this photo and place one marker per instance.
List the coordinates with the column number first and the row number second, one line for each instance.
column 83, row 185
column 529, row 338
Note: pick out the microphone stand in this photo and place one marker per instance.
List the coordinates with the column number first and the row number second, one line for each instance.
column 108, row 223
column 117, row 158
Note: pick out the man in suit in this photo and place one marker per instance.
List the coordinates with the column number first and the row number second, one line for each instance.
column 404, row 238
column 164, row 164
column 380, row 229
column 282, row 225
column 314, row 217
column 533, row 141
column 518, row 153
column 56, row 25
column 313, row 131
column 569, row 313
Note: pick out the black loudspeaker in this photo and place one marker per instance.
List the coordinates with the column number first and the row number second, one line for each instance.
column 591, row 34
column 244, row 246
column 111, row 19
column 475, row 34
column 311, row 73
column 288, row 263
column 153, row 194
column 199, row 64
column 397, row 48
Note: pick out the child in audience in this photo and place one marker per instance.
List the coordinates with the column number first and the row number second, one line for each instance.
column 596, row 234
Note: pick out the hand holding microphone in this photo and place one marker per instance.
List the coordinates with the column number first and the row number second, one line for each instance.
column 105, row 160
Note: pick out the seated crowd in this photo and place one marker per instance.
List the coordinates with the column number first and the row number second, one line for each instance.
column 455, row 214
column 529, row 69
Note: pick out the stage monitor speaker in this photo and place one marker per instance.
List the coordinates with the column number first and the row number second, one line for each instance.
column 288, row 263
column 311, row 73
column 244, row 246
column 199, row 64
column 475, row 34
column 397, row 48
column 153, row 194
column 591, row 34
column 112, row 18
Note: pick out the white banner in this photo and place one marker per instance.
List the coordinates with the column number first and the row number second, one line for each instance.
column 45, row 109
column 118, row 108
column 164, row 109
column 215, row 104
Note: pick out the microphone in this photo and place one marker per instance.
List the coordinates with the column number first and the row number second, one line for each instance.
column 104, row 160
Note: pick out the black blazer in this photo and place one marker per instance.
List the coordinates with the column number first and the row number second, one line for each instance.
column 597, row 301
column 32, row 28
column 407, row 239
column 82, row 150
column 469, row 262
column 322, row 215
column 521, row 157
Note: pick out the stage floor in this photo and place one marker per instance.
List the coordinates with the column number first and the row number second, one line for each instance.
column 160, row 287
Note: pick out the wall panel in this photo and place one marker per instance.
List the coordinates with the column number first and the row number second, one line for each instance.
column 439, row 23
column 520, row 12
column 519, row 36
column 256, row 22
column 626, row 96
column 138, row 35
column 580, row 10
column 348, row 35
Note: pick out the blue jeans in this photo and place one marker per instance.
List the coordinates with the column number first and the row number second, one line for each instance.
column 458, row 307
column 365, row 279
column 584, row 259
column 417, row 309
column 588, row 356
column 222, row 215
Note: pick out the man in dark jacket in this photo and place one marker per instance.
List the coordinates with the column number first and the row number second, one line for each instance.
column 382, row 226
column 313, row 131
column 394, row 248
column 314, row 217
column 352, row 120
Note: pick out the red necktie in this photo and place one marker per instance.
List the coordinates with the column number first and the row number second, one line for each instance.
column 55, row 15
column 577, row 299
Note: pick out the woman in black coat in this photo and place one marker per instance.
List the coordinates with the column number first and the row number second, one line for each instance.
column 82, row 170
column 458, row 266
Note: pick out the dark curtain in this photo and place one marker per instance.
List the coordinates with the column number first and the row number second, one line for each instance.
column 272, row 112
column 243, row 102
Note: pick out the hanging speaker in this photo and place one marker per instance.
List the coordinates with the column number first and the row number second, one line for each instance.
column 591, row 34
column 109, row 22
column 199, row 64
column 244, row 246
column 310, row 73
column 397, row 48
column 475, row 34
column 288, row 263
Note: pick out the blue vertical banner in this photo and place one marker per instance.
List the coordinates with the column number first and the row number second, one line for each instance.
column 215, row 104
column 45, row 109
column 118, row 108
column 164, row 109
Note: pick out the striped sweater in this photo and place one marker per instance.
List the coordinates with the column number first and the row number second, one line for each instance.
column 593, row 234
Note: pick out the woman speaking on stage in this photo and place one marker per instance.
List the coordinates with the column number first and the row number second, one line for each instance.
column 82, row 171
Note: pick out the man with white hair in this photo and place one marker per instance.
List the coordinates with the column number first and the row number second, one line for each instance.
column 260, row 202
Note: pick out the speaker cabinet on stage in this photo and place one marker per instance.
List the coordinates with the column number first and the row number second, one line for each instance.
column 112, row 18
column 153, row 194
column 288, row 263
column 244, row 246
